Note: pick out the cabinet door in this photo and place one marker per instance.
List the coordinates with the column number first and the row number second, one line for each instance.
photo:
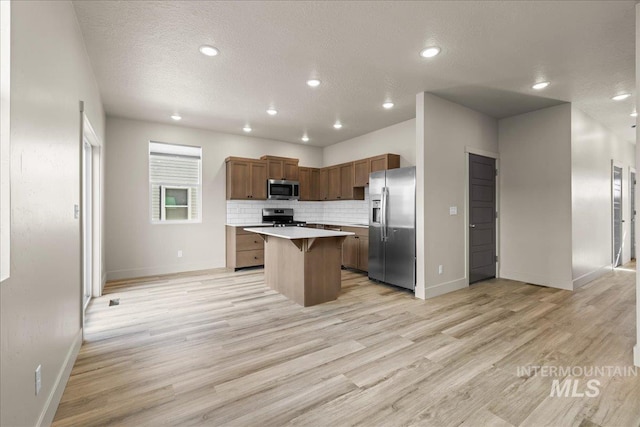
column 346, row 181
column 323, row 187
column 334, row 183
column 361, row 173
column 291, row 171
column 276, row 169
column 315, row 185
column 378, row 163
column 363, row 253
column 258, row 181
column 350, row 252
column 304, row 176
column 238, row 179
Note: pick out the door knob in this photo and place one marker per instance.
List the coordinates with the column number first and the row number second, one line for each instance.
column 472, row 225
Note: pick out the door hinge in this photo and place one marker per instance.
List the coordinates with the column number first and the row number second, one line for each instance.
column 496, row 214
column 496, row 172
column 496, row 258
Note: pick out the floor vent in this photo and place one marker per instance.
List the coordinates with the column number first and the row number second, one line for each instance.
column 115, row 301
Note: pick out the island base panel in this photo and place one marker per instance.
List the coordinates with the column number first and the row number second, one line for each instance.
column 306, row 271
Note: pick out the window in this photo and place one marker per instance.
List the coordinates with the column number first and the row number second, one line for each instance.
column 175, row 183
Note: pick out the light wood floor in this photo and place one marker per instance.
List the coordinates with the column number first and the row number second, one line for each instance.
column 222, row 349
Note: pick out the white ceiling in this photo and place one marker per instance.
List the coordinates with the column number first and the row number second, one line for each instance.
column 146, row 60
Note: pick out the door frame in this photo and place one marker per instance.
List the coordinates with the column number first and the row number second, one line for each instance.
column 88, row 134
column 632, row 236
column 617, row 164
column 492, row 155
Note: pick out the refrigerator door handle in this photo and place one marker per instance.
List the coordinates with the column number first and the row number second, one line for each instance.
column 385, row 194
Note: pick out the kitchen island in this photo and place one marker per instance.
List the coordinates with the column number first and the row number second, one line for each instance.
column 303, row 263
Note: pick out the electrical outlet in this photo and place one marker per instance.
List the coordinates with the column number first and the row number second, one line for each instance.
column 179, row 254
column 38, row 379
column 453, row 210
column 440, row 269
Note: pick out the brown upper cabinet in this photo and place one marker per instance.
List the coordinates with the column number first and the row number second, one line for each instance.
column 323, row 186
column 281, row 167
column 362, row 168
column 309, row 183
column 246, row 179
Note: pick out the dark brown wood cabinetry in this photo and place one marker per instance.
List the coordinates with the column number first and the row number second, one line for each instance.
column 323, row 186
column 244, row 249
column 309, row 183
column 361, row 173
column 246, row 179
column 281, row 167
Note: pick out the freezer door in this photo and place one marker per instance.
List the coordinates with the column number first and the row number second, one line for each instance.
column 376, row 236
column 400, row 249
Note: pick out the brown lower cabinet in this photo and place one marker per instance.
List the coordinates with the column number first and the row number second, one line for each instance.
column 244, row 249
column 355, row 249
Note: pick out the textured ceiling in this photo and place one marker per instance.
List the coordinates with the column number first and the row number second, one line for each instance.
column 146, row 60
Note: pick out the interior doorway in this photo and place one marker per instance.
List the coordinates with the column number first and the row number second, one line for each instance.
column 87, row 226
column 90, row 214
column 482, row 218
column 616, row 197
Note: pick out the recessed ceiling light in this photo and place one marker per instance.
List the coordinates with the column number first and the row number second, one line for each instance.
column 430, row 52
column 272, row 111
column 209, row 50
column 621, row 97
column 305, row 138
column 247, row 128
column 337, row 125
column 540, row 86
column 387, row 105
column 634, row 114
column 176, row 117
column 313, row 82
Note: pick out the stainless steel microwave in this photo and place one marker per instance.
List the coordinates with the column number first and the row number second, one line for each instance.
column 283, row 190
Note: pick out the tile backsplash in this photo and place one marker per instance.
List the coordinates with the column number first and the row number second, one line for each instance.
column 348, row 211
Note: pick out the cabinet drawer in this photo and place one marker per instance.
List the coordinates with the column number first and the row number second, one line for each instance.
column 248, row 242
column 249, row 258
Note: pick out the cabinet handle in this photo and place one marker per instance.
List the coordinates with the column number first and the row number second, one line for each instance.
column 255, row 257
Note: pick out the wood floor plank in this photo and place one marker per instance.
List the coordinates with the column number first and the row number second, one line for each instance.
column 220, row 348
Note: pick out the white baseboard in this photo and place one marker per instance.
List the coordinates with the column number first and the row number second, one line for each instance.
column 157, row 271
column 445, row 288
column 591, row 276
column 53, row 400
column 636, row 355
column 534, row 280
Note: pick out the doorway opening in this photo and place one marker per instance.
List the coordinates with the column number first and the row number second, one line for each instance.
column 91, row 219
column 616, row 198
column 482, row 255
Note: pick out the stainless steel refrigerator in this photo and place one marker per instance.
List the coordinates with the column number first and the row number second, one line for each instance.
column 392, row 227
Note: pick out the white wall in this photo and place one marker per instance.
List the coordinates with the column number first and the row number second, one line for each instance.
column 535, row 197
column 134, row 246
column 445, row 130
column 397, row 139
column 40, row 302
column 593, row 147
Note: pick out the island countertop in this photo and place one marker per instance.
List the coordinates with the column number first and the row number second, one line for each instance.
column 292, row 233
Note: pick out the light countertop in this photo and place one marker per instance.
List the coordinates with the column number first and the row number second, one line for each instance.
column 293, row 233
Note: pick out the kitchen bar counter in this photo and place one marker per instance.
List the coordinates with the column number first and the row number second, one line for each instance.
column 303, row 263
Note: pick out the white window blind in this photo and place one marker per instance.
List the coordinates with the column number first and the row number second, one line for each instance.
column 175, row 176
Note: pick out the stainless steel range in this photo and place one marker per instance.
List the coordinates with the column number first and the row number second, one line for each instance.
column 280, row 217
